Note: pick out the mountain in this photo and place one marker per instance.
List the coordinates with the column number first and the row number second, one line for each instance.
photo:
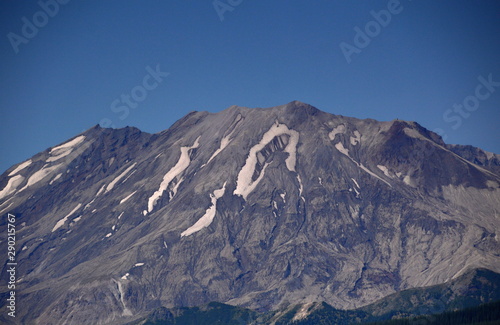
column 259, row 208
column 473, row 288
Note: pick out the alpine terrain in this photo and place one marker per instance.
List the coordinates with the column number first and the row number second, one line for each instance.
column 263, row 209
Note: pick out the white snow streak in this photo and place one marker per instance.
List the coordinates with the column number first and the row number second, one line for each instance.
column 223, row 144
column 373, row 174
column 68, row 144
column 356, row 138
column 356, row 183
column 55, row 178
column 39, row 175
column 117, row 179
column 181, row 165
column 385, row 170
column 61, row 222
column 126, row 311
column 100, row 190
column 339, row 129
column 128, row 197
column 11, row 186
column 209, row 215
column 139, row 264
column 340, row 147
column 64, row 149
column 20, row 167
column 245, row 185
column 301, row 187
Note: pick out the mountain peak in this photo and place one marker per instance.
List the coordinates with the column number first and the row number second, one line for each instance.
column 254, row 207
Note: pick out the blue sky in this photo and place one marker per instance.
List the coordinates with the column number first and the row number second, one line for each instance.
column 74, row 69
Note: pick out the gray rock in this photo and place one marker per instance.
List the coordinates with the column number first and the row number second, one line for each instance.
column 261, row 208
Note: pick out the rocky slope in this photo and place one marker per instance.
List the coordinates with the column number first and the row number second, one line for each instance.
column 261, row 208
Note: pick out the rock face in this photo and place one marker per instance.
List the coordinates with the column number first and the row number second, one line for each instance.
column 261, row 208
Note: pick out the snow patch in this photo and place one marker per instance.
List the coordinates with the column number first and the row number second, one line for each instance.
column 64, row 149
column 356, row 138
column 175, row 189
column 356, row 183
column 139, row 264
column 385, row 170
column 61, row 222
column 339, row 129
column 55, row 178
column 89, row 204
column 11, row 186
column 181, row 165
column 126, row 311
column 209, row 215
column 68, row 144
column 283, row 196
column 128, row 197
column 120, row 216
column 125, row 276
column 223, row 144
column 340, row 147
column 301, row 187
column 100, row 190
column 108, row 235
column 20, row 167
column 40, row 175
column 77, row 219
column 245, row 185
column 117, row 179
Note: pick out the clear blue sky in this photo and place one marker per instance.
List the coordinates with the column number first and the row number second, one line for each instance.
column 65, row 78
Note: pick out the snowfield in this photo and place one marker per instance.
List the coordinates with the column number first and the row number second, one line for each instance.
column 61, row 222
column 245, row 185
column 179, row 167
column 209, row 215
